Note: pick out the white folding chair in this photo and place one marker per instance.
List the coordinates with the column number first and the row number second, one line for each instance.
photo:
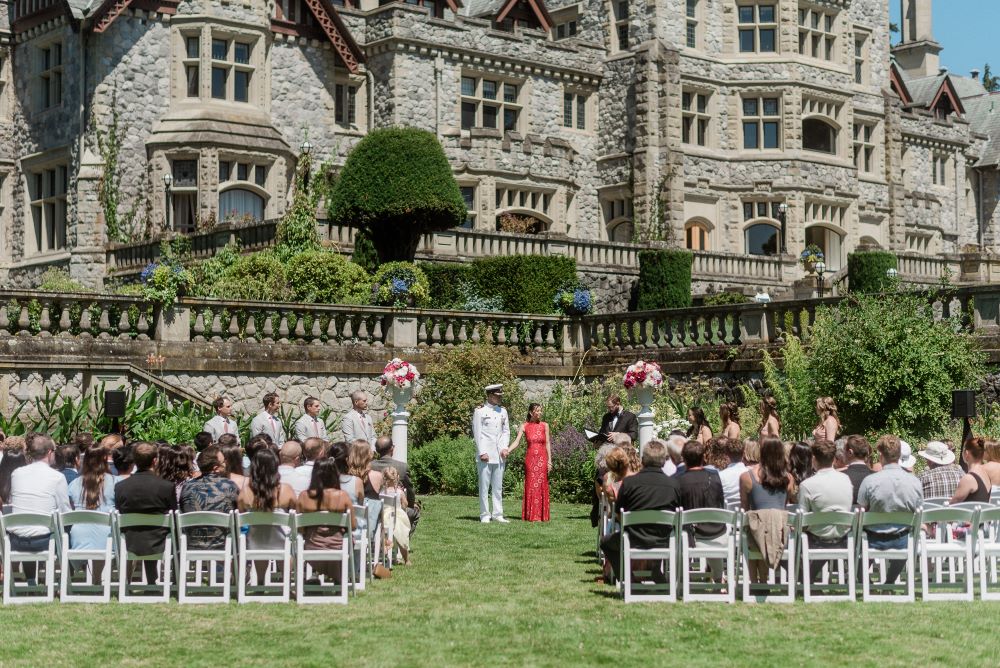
column 942, row 549
column 936, row 501
column 213, row 562
column 666, row 555
column 14, row 593
column 361, row 544
column 96, row 587
column 321, row 591
column 781, row 583
column 911, row 521
column 722, row 547
column 144, row 591
column 255, row 585
column 987, row 549
column 845, row 557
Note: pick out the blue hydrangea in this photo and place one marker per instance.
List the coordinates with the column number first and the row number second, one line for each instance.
column 582, row 301
column 147, row 273
column 400, row 286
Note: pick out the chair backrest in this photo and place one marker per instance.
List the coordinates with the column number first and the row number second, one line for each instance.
column 390, row 500
column 949, row 514
column 145, row 520
column 14, row 520
column 636, row 517
column 205, row 519
column 989, row 514
column 970, row 505
column 903, row 518
column 829, row 518
column 91, row 517
column 936, row 501
column 257, row 518
column 791, row 517
column 322, row 518
column 708, row 515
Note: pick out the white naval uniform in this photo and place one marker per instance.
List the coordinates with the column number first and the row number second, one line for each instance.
column 309, row 427
column 491, row 432
column 219, row 425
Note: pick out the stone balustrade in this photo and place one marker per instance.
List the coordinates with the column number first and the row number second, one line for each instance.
column 101, row 317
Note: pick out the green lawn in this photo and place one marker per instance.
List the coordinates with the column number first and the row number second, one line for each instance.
column 496, row 595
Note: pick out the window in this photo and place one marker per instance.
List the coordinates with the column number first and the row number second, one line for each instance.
column 184, row 195
column 695, row 118
column 345, row 104
column 47, row 188
column 510, row 197
column 918, row 243
column 939, row 169
column 829, row 242
column 762, row 239
column 621, row 23
column 864, row 147
column 238, row 203
column 615, row 209
column 621, row 232
column 696, row 236
column 489, row 103
column 50, row 76
column 860, row 58
column 575, row 111
column 232, row 69
column 826, row 212
column 761, row 122
column 691, row 37
column 565, row 30
column 818, row 135
column 758, row 28
column 817, row 32
column 237, row 170
column 761, row 209
column 469, row 197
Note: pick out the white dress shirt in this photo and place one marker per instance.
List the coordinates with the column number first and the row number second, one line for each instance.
column 219, row 425
column 287, row 473
column 37, row 488
column 301, row 478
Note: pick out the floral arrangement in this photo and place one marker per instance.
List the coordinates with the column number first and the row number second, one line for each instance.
column 643, row 374
column 399, row 373
column 163, row 282
column 401, row 284
column 663, row 429
column 574, row 300
column 811, row 255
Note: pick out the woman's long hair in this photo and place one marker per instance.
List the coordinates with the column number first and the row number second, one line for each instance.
column 232, row 455
column 826, row 407
column 94, row 470
column 359, row 458
column 699, row 422
column 800, row 461
column 773, row 464
column 264, row 479
column 325, row 476
column 12, row 460
column 730, row 412
column 768, row 407
column 338, row 452
column 174, row 464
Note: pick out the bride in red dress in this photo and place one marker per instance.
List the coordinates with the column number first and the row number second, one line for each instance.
column 537, row 464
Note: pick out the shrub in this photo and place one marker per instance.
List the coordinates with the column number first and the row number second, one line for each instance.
column 524, row 283
column 445, row 466
column 890, row 365
column 398, row 183
column 258, row 277
column 364, row 254
column 163, row 282
column 327, row 278
column 56, row 279
column 572, row 476
column 444, row 280
column 664, row 279
column 296, row 231
column 574, row 300
column 453, row 388
column 206, row 273
column 793, row 388
column 725, row 298
column 401, row 284
column 866, row 270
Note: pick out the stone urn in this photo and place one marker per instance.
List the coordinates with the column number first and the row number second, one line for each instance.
column 644, row 395
column 400, row 397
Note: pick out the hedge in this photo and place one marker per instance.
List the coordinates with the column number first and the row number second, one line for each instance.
column 866, row 270
column 524, row 283
column 444, row 279
column 664, row 279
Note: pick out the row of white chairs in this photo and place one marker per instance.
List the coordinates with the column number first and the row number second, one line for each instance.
column 200, row 575
column 952, row 547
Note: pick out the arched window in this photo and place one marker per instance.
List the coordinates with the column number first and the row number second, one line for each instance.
column 520, row 223
column 696, row 236
column 622, row 231
column 818, row 135
column 829, row 241
column 762, row 239
column 239, row 203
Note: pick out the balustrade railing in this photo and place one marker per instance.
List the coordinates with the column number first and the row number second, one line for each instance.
column 103, row 317
column 446, row 329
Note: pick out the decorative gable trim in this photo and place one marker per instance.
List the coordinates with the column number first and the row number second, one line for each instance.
column 336, row 31
column 947, row 91
column 537, row 8
column 899, row 86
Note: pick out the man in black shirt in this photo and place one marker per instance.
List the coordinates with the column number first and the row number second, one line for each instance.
column 858, row 452
column 702, row 488
column 649, row 489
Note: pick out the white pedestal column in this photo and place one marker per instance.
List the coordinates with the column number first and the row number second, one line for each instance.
column 400, row 421
column 644, row 395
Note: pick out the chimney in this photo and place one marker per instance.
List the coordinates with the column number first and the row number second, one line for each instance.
column 942, row 70
column 974, row 74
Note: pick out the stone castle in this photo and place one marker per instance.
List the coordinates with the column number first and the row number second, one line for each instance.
column 748, row 127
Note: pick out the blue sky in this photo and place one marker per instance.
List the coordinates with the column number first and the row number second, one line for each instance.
column 966, row 29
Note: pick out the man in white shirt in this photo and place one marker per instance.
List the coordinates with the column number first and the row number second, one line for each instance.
column 289, row 457
column 36, row 488
column 827, row 490
column 310, row 425
column 223, row 422
column 357, row 424
column 491, row 432
column 312, row 449
column 267, row 421
column 730, row 475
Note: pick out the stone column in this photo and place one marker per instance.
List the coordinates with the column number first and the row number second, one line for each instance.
column 645, row 395
column 400, row 421
column 88, row 261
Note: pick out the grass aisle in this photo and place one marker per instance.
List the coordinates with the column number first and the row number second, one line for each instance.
column 497, row 595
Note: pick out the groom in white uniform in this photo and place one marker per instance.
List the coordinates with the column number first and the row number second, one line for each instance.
column 491, row 432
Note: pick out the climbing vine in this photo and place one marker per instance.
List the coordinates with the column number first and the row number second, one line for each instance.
column 109, row 145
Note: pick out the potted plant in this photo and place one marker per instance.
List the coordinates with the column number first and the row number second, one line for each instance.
column 810, row 256
column 574, row 300
column 401, row 285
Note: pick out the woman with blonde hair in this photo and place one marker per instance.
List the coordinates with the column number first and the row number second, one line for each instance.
column 991, row 462
column 621, row 463
column 729, row 413
column 359, row 463
column 400, row 523
column 829, row 421
column 770, row 421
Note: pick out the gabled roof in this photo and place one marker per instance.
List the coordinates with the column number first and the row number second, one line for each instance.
column 338, row 34
column 497, row 10
column 898, row 84
column 947, row 92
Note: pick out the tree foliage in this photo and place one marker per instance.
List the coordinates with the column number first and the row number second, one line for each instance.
column 325, row 277
column 990, row 82
column 664, row 279
column 866, row 270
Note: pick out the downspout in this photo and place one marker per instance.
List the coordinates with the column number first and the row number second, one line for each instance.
column 370, row 78
column 438, row 69
column 82, row 83
column 980, row 233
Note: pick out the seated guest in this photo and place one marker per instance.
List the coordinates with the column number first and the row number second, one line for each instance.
column 991, row 462
column 232, row 455
column 906, row 459
column 890, row 490
column 313, row 450
column 324, row 493
column 858, row 452
column 941, row 477
column 93, row 489
column 800, row 462
column 649, row 489
column 122, row 460
column 83, row 441
column 767, row 486
column 173, row 464
column 36, row 488
column 751, row 452
column 730, row 474
column 716, row 454
column 619, row 465
column 674, row 445
column 202, row 440
column 266, row 493
column 67, row 461
column 840, row 458
column 827, row 490
column 255, row 445
column 702, row 488
column 359, row 464
column 600, row 471
column 386, row 451
column 975, row 485
column 14, row 458
column 212, row 492
column 289, row 457
column 145, row 492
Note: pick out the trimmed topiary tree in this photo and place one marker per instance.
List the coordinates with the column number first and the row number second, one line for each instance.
column 866, row 270
column 398, row 184
column 664, row 279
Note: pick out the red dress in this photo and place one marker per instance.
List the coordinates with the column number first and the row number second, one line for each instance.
column 535, row 507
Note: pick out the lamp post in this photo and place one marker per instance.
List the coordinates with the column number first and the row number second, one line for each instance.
column 304, row 150
column 168, row 180
column 820, row 270
column 891, row 273
column 783, row 219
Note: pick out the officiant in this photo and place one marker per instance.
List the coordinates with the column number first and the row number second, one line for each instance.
column 618, row 420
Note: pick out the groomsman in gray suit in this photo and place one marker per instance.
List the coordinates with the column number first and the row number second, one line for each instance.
column 310, row 425
column 357, row 424
column 223, row 422
column 267, row 421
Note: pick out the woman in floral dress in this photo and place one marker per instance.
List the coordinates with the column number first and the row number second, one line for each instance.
column 537, row 464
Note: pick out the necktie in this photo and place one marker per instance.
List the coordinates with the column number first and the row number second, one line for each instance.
column 225, row 426
column 316, row 426
column 274, row 428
